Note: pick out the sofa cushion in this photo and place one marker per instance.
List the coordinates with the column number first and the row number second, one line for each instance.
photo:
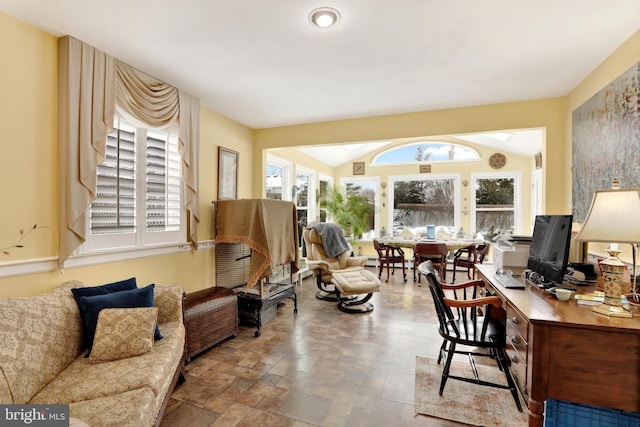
column 92, row 305
column 40, row 336
column 122, row 285
column 123, row 332
column 83, row 380
column 133, row 408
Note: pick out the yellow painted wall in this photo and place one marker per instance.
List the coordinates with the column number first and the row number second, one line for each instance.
column 28, row 173
column 28, row 147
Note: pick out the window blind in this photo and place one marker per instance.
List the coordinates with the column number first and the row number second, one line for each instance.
column 152, row 176
column 113, row 210
column 162, row 182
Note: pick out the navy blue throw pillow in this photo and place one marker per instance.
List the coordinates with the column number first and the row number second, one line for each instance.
column 122, row 285
column 92, row 305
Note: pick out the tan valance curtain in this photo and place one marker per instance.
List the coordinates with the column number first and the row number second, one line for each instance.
column 158, row 104
column 90, row 83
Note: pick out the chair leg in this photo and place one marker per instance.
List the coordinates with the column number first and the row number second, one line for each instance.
column 502, row 363
column 443, row 350
column 447, row 366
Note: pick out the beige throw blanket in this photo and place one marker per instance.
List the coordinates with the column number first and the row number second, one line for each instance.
column 268, row 227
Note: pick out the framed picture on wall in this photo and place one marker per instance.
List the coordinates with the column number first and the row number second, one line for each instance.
column 538, row 158
column 358, row 168
column 227, row 174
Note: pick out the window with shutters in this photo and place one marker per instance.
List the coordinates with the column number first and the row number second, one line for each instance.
column 139, row 191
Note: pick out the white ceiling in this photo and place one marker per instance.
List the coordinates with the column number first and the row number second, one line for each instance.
column 262, row 64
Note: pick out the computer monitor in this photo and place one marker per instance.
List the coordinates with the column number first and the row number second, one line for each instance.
column 549, row 249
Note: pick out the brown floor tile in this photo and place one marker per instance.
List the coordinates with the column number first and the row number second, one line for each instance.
column 320, row 367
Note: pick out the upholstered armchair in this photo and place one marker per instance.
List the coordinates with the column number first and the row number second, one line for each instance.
column 322, row 263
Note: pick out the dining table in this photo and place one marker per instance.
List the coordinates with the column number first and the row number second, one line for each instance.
column 451, row 244
column 410, row 243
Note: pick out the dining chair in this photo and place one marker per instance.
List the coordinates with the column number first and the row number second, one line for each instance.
column 389, row 257
column 477, row 329
column 434, row 252
column 468, row 257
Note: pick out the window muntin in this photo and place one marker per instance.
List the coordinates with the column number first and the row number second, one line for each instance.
column 139, row 191
column 421, row 201
column 426, row 152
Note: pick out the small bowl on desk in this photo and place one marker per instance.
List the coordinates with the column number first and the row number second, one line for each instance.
column 563, row 294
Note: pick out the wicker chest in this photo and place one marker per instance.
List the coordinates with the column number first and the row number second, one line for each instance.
column 210, row 315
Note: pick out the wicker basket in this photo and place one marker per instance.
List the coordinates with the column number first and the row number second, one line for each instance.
column 211, row 316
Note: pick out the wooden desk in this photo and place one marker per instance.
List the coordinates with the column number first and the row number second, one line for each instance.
column 562, row 350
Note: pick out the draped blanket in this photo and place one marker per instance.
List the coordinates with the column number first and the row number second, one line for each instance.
column 268, row 227
column 333, row 240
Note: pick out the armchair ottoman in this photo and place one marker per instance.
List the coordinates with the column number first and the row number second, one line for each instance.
column 354, row 288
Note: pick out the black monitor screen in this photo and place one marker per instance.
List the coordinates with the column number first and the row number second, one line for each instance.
column 549, row 249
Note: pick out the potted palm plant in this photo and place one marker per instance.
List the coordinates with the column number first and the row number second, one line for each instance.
column 350, row 210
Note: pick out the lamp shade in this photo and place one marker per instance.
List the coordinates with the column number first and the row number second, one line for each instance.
column 614, row 216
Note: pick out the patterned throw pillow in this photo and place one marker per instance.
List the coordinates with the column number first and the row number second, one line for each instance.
column 123, row 332
column 122, row 285
column 140, row 297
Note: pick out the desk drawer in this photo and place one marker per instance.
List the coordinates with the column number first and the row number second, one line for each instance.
column 518, row 368
column 515, row 340
column 518, row 321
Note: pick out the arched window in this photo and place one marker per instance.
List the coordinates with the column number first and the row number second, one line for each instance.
column 425, row 151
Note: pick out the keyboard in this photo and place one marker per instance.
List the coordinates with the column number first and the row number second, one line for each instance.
column 507, row 281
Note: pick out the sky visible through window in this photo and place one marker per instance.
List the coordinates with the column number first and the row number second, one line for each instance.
column 426, row 152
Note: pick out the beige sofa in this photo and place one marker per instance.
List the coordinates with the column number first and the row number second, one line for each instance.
column 42, row 361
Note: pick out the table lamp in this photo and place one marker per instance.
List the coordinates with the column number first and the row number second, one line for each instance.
column 614, row 216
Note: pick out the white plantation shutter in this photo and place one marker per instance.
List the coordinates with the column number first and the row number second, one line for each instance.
column 162, row 182
column 113, row 210
column 139, row 190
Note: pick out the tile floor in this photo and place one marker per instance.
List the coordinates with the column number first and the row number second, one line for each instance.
column 320, row 367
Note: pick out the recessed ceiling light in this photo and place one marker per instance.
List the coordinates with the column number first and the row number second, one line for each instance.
column 324, row 17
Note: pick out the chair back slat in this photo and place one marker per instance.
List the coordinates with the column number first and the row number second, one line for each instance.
column 463, row 323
